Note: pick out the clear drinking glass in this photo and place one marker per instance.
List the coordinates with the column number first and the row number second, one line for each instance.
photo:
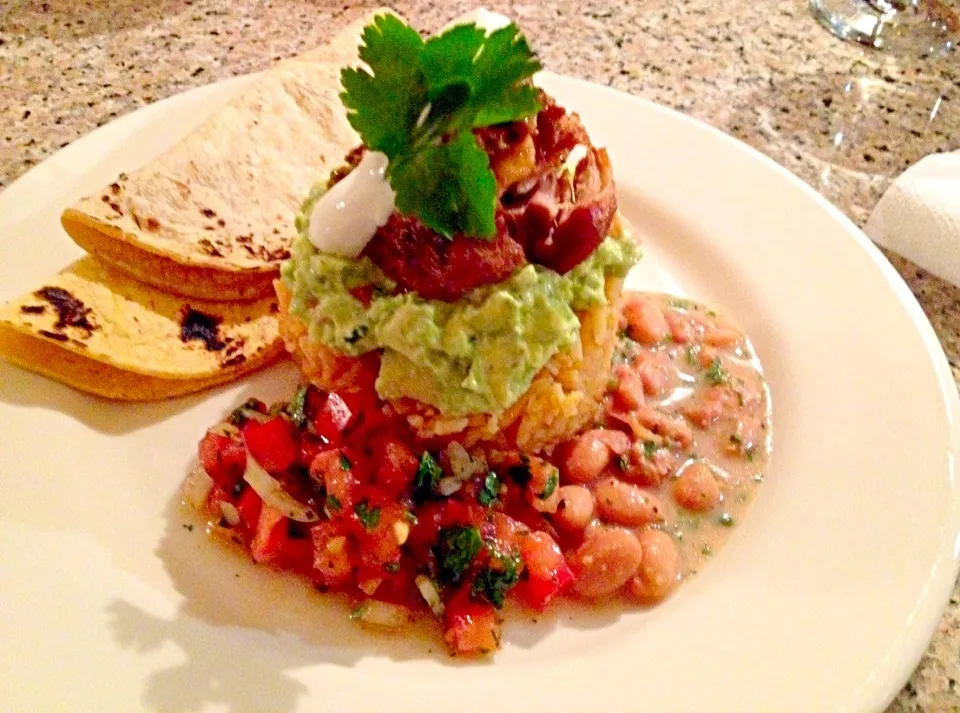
column 919, row 27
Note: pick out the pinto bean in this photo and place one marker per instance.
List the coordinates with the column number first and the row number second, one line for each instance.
column 625, row 504
column 656, row 372
column 696, row 488
column 629, row 393
column 657, row 574
column 583, row 459
column 606, row 560
column 575, row 510
column 645, row 320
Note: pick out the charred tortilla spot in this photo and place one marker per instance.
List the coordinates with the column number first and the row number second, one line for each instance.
column 116, row 208
column 105, row 198
column 122, row 177
column 56, row 336
column 115, row 187
column 208, row 247
column 78, row 343
column 136, row 219
column 71, row 312
column 202, row 327
column 221, row 222
column 243, row 239
column 153, row 225
column 33, row 309
column 234, row 361
column 208, row 213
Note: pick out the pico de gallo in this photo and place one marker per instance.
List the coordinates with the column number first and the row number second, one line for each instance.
column 335, row 487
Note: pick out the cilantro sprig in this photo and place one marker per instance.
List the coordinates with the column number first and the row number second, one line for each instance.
column 418, row 102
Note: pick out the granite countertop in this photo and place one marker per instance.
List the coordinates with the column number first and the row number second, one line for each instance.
column 843, row 119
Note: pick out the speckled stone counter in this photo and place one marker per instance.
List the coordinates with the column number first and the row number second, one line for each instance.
column 843, row 119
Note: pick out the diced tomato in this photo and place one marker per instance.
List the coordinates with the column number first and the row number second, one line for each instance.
column 458, row 512
column 395, row 466
column 333, row 418
column 272, row 543
column 272, row 443
column 248, row 506
column 223, row 458
column 331, row 554
column 309, row 448
column 328, row 468
column 381, row 543
column 471, row 627
column 547, row 572
column 424, row 532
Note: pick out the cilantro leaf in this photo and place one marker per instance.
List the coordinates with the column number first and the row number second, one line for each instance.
column 491, row 490
column 463, row 188
column 383, row 107
column 428, row 475
column 505, row 61
column 298, row 407
column 419, row 104
column 455, row 550
column 369, row 517
column 494, row 581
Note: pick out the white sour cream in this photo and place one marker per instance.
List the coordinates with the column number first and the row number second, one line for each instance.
column 482, row 18
column 346, row 218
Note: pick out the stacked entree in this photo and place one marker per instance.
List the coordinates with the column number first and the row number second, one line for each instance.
column 466, row 261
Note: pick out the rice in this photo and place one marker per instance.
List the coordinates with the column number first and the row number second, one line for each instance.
column 563, row 398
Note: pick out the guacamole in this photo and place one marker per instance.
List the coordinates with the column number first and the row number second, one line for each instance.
column 476, row 355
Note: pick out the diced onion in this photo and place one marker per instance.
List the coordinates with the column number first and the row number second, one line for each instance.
column 197, row 487
column 225, row 429
column 273, row 494
column 430, row 593
column 230, row 513
column 462, row 465
column 448, row 486
column 385, row 614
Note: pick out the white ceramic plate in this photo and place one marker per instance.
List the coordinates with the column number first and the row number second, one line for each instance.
column 823, row 601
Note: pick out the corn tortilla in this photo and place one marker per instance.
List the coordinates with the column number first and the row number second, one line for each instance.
column 100, row 331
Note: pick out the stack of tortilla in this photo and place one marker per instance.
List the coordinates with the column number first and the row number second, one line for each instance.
column 176, row 294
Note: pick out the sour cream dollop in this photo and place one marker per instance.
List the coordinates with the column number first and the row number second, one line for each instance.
column 347, row 217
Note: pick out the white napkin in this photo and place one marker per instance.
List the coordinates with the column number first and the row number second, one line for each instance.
column 919, row 215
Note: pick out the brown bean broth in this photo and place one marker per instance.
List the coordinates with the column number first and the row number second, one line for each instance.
column 738, row 464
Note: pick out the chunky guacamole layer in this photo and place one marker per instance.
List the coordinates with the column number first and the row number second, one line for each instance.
column 477, row 355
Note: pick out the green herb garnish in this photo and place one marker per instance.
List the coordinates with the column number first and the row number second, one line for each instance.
column 392, row 567
column 298, row 407
column 726, row 519
column 495, row 580
column 428, row 475
column 456, row 548
column 649, row 449
column 552, row 481
column 345, row 462
column 419, row 103
column 369, row 517
column 715, row 373
column 490, row 491
column 333, row 503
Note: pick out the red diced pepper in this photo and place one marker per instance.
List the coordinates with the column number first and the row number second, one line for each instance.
column 395, row 466
column 248, row 507
column 333, row 418
column 223, row 458
column 272, row 443
column 272, row 543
